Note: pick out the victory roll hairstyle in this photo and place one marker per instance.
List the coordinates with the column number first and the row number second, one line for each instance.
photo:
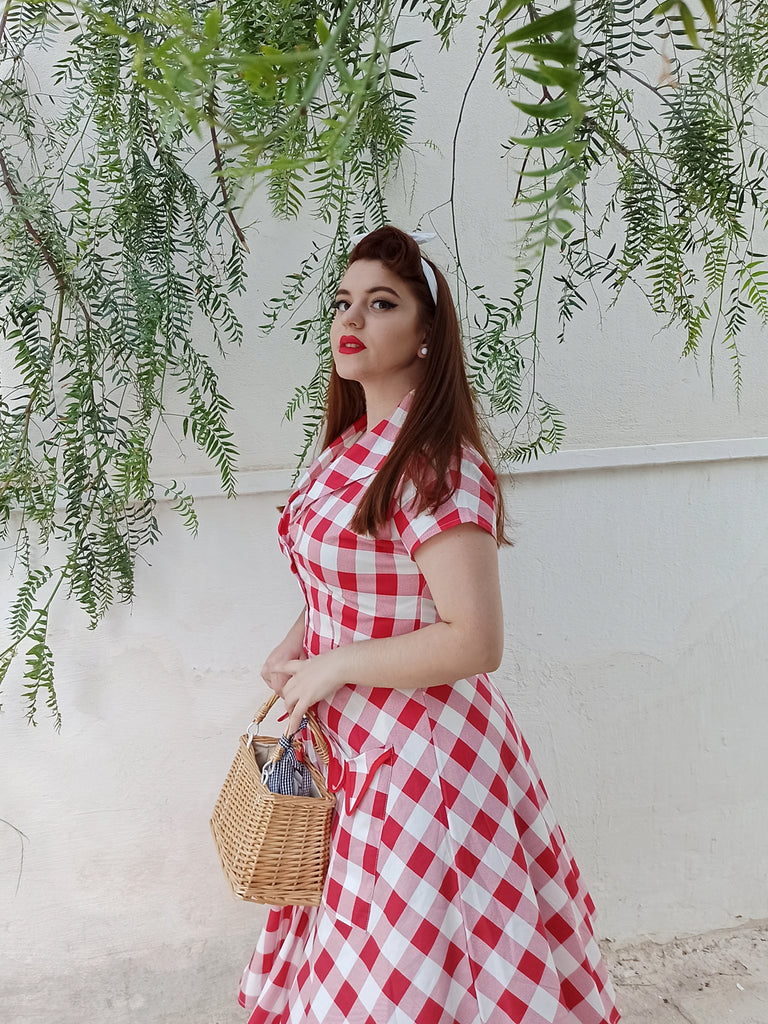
column 442, row 416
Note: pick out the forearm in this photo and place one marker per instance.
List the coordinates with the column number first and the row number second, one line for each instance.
column 295, row 635
column 430, row 656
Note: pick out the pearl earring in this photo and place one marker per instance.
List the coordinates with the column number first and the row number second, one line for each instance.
column 423, row 350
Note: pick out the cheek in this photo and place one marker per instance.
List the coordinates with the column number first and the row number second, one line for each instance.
column 418, row 336
column 408, row 353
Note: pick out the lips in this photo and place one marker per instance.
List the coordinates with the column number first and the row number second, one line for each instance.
column 349, row 344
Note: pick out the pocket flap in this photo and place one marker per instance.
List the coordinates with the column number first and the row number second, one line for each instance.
column 355, row 775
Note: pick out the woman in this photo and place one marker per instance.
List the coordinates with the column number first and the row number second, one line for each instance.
column 451, row 896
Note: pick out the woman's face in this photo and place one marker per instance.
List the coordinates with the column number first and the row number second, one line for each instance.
column 377, row 329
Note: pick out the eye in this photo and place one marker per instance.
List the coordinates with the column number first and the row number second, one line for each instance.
column 340, row 305
column 382, row 304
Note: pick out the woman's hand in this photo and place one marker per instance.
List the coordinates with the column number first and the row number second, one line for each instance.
column 309, row 681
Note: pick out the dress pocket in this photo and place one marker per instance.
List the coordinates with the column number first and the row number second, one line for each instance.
column 362, row 785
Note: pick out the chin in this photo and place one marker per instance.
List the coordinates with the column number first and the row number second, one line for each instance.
column 346, row 373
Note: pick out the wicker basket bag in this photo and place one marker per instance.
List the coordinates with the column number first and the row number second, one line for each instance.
column 273, row 848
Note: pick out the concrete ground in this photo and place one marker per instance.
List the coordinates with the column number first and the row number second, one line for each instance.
column 717, row 978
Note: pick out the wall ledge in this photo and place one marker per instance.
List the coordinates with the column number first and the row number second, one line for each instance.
column 631, row 456
column 573, row 460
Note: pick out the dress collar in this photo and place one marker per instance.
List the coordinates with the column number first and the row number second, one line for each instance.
column 356, row 454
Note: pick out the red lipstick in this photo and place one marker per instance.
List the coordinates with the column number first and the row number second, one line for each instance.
column 348, row 343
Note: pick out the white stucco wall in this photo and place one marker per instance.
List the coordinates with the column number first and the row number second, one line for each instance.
column 636, row 652
column 635, row 662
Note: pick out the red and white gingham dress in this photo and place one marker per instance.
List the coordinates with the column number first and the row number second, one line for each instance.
column 451, row 896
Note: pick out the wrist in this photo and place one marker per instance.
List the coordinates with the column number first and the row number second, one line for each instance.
column 342, row 660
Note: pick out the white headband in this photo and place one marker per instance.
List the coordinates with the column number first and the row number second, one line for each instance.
column 419, row 238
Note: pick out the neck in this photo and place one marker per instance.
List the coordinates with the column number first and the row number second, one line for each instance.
column 380, row 403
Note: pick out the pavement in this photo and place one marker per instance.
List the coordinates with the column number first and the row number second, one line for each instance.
column 717, row 978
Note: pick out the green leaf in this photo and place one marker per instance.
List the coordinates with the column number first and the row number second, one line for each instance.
column 557, row 138
column 542, row 111
column 404, row 45
column 546, row 25
column 563, row 78
column 212, row 24
column 687, row 17
column 689, row 23
column 710, row 9
column 546, row 172
column 322, row 30
column 509, row 8
column 563, row 52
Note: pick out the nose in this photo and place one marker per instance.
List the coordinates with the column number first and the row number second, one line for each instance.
column 353, row 315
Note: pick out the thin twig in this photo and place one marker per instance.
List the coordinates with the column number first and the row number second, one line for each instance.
column 454, row 151
column 22, row 836
column 521, row 176
column 4, row 18
column 623, row 70
column 223, row 187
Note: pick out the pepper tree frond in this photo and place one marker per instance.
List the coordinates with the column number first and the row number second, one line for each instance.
column 121, row 224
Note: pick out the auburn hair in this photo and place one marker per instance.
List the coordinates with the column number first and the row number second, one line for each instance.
column 442, row 417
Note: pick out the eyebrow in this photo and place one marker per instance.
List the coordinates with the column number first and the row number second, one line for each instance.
column 378, row 288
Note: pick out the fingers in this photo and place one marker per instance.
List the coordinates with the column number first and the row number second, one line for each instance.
column 288, row 679
column 275, row 681
column 294, row 722
column 267, row 673
column 296, row 708
column 295, row 702
column 276, row 676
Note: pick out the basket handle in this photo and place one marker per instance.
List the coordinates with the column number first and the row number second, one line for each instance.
column 320, row 742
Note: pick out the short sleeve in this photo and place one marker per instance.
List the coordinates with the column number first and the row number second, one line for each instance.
column 473, row 501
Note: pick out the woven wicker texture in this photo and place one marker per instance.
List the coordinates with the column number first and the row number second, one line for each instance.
column 273, row 848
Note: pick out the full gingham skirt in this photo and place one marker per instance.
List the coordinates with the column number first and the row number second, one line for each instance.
column 451, row 897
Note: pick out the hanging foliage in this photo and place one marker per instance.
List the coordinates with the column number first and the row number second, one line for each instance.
column 123, row 176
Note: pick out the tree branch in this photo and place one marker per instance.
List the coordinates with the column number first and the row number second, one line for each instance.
column 31, row 402
column 61, row 279
column 223, row 187
column 4, row 18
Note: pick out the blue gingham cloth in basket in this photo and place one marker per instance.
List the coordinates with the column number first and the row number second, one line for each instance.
column 289, row 776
